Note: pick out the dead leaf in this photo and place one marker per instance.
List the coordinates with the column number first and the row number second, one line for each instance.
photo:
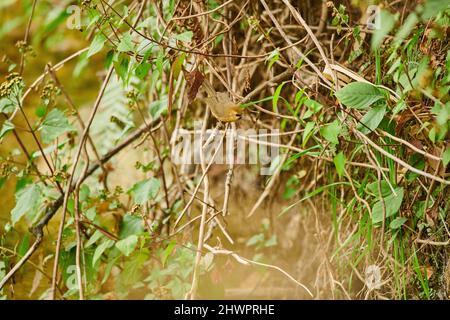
column 194, row 81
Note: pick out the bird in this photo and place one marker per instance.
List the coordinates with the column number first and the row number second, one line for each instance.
column 222, row 107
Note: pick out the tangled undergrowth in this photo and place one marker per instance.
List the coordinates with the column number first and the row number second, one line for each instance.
column 354, row 100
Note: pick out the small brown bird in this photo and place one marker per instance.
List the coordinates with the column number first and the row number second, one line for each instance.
column 222, row 107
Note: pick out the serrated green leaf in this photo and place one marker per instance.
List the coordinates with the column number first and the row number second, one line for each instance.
column 131, row 225
column 132, row 269
column 27, row 202
column 359, row 95
column 125, row 44
column 145, row 190
column 96, row 45
column 127, row 245
column 54, row 125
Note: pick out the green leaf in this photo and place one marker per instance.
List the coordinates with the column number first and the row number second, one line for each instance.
column 433, row 7
column 97, row 235
column 432, row 134
column 359, row 95
column 84, row 193
column 6, row 105
column 7, row 127
column 339, row 161
column 313, row 108
column 125, row 44
column 27, row 201
column 373, row 188
column 392, row 204
column 96, row 45
column 158, row 107
column 91, row 213
column 276, row 96
column 54, row 125
column 142, row 70
column 446, row 157
column 273, row 57
column 24, row 245
column 372, row 119
column 121, row 65
column 145, row 190
column 131, row 225
column 397, row 222
column 127, row 245
column 331, row 131
column 309, row 127
column 184, row 37
column 167, row 252
column 81, row 64
column 388, row 22
column 177, row 65
column 132, row 269
column 100, row 249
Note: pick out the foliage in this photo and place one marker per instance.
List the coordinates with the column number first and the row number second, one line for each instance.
column 91, row 107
